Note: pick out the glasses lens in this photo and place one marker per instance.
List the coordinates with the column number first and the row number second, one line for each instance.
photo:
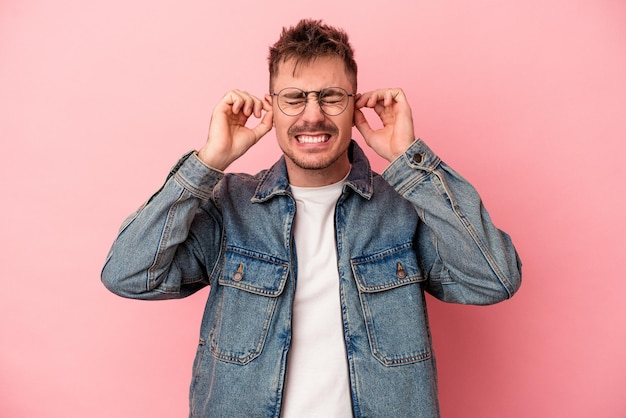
column 333, row 100
column 291, row 101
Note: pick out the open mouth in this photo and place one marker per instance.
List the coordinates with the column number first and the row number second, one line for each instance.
column 312, row 139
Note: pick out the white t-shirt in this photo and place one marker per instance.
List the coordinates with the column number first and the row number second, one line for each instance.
column 317, row 381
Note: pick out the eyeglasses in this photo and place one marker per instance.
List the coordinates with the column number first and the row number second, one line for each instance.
column 332, row 100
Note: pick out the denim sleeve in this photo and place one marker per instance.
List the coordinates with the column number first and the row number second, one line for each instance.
column 168, row 247
column 464, row 256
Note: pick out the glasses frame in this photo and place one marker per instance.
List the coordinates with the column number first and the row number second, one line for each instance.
column 318, row 95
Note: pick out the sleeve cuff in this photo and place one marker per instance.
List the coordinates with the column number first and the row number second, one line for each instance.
column 195, row 176
column 417, row 157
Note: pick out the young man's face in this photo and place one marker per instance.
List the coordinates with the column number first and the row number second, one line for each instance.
column 314, row 143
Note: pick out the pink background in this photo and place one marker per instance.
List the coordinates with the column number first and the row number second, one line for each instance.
column 527, row 99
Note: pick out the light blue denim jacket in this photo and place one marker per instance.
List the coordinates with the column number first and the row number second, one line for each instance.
column 418, row 227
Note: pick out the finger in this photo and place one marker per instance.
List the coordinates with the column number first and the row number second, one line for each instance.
column 368, row 99
column 362, row 124
column 397, row 95
column 241, row 101
column 259, row 106
column 248, row 102
column 234, row 99
column 378, row 96
column 264, row 126
column 359, row 100
column 387, row 97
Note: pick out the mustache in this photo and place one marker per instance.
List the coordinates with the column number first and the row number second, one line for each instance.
column 322, row 126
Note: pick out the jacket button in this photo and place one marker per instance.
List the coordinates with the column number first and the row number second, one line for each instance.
column 418, row 158
column 238, row 275
column 400, row 272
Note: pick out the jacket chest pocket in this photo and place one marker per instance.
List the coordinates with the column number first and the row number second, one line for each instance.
column 250, row 285
column 393, row 304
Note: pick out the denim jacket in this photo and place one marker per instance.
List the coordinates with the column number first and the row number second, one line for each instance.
column 417, row 228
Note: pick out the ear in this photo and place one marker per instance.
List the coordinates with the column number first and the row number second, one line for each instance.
column 269, row 105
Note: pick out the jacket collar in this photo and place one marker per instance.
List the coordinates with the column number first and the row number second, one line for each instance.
column 275, row 181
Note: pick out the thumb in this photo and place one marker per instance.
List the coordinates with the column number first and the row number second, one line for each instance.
column 362, row 124
column 264, row 126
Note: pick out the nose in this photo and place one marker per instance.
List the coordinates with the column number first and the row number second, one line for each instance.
column 312, row 111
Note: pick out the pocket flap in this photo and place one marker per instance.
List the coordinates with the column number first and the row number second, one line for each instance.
column 254, row 272
column 386, row 269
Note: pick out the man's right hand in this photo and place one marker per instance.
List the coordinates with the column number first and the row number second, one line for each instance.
column 229, row 138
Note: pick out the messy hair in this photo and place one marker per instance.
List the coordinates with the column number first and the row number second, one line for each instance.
column 308, row 41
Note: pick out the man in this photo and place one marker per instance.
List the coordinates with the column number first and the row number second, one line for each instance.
column 317, row 267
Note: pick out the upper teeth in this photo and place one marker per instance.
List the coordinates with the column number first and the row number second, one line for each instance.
column 311, row 139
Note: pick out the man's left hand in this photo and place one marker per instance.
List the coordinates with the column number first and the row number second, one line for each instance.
column 394, row 111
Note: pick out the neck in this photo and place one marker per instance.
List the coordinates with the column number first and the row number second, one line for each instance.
column 317, row 177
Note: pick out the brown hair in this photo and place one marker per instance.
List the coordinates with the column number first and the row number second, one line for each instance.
column 309, row 40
